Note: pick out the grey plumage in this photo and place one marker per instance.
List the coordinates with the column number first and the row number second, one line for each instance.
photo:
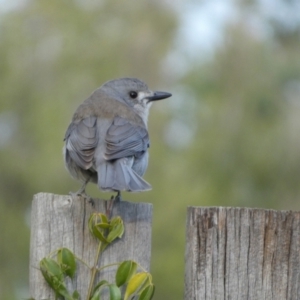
column 107, row 141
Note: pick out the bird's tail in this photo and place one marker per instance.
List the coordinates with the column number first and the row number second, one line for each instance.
column 118, row 176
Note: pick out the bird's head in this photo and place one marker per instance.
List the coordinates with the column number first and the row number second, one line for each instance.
column 134, row 93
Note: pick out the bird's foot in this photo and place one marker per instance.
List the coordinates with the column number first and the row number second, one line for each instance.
column 83, row 195
column 81, row 192
column 109, row 205
column 118, row 197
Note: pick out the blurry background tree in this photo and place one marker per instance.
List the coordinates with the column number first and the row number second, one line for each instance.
column 228, row 136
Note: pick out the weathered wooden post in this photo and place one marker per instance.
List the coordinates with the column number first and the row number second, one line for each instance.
column 61, row 221
column 242, row 253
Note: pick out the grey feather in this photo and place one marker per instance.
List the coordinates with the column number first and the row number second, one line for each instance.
column 125, row 139
column 81, row 142
column 119, row 176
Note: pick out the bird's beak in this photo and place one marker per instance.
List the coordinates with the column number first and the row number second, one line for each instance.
column 158, row 96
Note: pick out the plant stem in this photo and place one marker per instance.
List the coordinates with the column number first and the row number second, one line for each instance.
column 94, row 271
column 107, row 266
column 82, row 261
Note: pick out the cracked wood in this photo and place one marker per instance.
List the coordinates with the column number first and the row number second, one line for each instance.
column 241, row 253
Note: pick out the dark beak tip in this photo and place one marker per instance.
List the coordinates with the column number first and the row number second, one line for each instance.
column 160, row 96
column 167, row 94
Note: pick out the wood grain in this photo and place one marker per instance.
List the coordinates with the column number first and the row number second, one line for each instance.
column 241, row 253
column 61, row 221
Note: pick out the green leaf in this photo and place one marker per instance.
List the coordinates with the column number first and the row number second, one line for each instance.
column 91, row 222
column 96, row 218
column 97, row 289
column 97, row 224
column 76, row 295
column 96, row 295
column 125, row 271
column 51, row 271
column 135, row 284
column 116, row 231
column 104, row 218
column 114, row 292
column 53, row 274
column 67, row 261
column 99, row 234
column 102, row 225
column 147, row 293
column 62, row 291
column 115, row 221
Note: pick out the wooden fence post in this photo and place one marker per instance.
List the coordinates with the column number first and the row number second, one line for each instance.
column 61, row 221
column 242, row 253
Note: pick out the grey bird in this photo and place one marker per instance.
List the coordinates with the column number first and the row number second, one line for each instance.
column 107, row 141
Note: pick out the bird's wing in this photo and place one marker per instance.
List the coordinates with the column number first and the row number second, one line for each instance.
column 81, row 141
column 125, row 139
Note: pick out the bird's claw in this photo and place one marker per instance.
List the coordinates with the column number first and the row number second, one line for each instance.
column 82, row 195
column 109, row 205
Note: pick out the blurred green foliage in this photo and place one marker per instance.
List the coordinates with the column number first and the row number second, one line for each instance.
column 228, row 136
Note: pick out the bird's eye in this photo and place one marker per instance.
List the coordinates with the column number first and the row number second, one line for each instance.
column 133, row 94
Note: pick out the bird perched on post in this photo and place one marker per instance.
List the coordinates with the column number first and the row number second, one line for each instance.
column 107, row 141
